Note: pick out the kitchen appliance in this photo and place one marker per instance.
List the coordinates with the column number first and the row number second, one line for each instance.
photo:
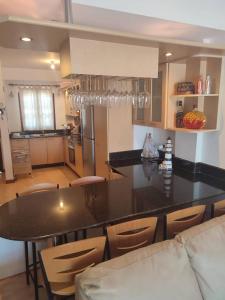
column 71, row 153
column 88, row 139
column 1, row 160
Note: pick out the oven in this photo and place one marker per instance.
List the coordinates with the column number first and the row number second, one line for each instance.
column 71, row 154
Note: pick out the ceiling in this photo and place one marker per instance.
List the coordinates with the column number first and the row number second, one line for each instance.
column 37, row 9
column 109, row 19
column 115, row 20
column 93, row 23
column 20, row 58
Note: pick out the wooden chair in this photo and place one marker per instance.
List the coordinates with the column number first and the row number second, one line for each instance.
column 61, row 264
column 183, row 219
column 41, row 187
column 37, row 188
column 219, row 208
column 131, row 235
column 87, row 180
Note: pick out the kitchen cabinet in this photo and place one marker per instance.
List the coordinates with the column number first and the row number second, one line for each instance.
column 44, row 151
column 55, row 150
column 38, row 151
column 154, row 115
column 21, row 156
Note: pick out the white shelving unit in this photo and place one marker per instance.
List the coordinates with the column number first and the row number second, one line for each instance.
column 191, row 69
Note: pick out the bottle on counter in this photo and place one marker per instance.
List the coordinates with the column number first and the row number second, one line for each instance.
column 200, row 86
column 179, row 114
column 208, row 85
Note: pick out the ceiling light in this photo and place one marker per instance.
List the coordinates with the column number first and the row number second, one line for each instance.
column 25, row 39
column 52, row 65
column 168, row 54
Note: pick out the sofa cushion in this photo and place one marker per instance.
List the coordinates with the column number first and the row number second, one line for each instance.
column 157, row 272
column 205, row 245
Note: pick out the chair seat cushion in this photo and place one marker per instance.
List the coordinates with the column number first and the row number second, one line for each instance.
column 205, row 245
column 157, row 272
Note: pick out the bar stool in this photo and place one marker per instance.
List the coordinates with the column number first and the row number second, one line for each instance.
column 87, row 180
column 219, row 208
column 81, row 182
column 41, row 187
column 183, row 219
column 61, row 264
column 131, row 235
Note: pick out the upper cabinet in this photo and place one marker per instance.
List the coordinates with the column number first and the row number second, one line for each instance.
column 191, row 70
column 154, row 114
column 83, row 56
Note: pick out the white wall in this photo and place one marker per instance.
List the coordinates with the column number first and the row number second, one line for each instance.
column 206, row 13
column 4, row 135
column 31, row 76
column 11, row 258
column 159, row 135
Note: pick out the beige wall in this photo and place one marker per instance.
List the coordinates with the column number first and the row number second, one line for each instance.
column 31, row 76
column 110, row 59
column 120, row 129
column 4, row 134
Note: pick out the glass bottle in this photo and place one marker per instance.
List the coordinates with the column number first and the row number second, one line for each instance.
column 179, row 114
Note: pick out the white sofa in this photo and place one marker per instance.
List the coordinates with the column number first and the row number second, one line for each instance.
column 189, row 267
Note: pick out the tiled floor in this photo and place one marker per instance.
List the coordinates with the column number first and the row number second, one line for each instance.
column 15, row 288
column 61, row 175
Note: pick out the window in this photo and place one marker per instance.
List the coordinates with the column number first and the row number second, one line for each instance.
column 37, row 109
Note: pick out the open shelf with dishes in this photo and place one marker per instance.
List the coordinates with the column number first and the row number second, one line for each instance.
column 190, row 70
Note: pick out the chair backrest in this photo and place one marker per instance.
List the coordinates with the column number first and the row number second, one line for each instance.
column 62, row 263
column 87, row 180
column 219, row 208
column 131, row 235
column 183, row 219
column 41, row 187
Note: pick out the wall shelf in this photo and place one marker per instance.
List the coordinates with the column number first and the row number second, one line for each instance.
column 192, row 130
column 194, row 95
column 190, row 70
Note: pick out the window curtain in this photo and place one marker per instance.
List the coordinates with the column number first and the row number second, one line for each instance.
column 37, row 110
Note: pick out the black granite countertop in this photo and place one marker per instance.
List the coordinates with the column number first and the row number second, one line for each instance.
column 143, row 190
column 37, row 134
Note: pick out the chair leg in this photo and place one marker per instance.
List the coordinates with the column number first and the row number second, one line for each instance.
column 84, row 233
column 65, row 238
column 75, row 236
column 27, row 262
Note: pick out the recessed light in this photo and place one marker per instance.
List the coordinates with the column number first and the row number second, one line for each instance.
column 52, row 65
column 167, row 54
column 26, row 39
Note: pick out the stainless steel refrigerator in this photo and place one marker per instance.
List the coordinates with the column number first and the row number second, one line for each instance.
column 88, row 140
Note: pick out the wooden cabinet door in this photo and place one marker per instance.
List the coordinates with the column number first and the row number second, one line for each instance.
column 55, row 150
column 78, row 160
column 38, row 151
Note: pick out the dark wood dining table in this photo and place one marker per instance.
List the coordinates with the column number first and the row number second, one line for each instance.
column 56, row 213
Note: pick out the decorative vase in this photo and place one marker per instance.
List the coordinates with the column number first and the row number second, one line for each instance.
column 194, row 120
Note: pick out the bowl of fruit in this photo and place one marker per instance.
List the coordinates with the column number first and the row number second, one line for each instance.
column 194, row 120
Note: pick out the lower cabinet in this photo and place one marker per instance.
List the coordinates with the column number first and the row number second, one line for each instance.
column 55, row 150
column 21, row 157
column 38, row 151
column 45, row 151
column 78, row 160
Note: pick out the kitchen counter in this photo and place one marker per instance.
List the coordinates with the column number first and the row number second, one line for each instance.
column 34, row 135
column 158, row 191
column 142, row 191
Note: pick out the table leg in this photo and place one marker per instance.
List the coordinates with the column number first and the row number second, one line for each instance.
column 35, row 270
column 27, row 262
